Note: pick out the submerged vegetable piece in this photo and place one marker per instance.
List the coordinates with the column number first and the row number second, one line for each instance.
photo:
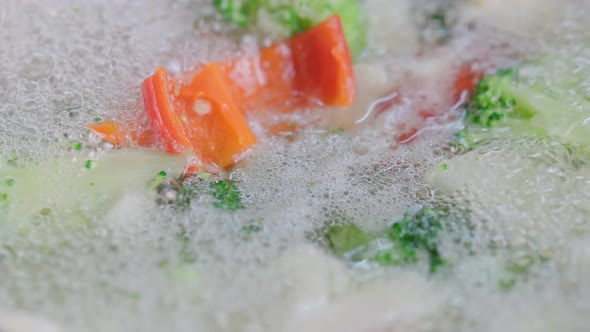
column 313, row 67
column 285, row 18
column 227, row 194
column 344, row 238
column 74, row 190
column 402, row 243
column 544, row 98
column 418, row 231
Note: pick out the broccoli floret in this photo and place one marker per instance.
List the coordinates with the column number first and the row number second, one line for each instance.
column 419, row 231
column 181, row 192
column 227, row 194
column 239, row 12
column 545, row 98
column 494, row 100
column 286, row 17
column 402, row 243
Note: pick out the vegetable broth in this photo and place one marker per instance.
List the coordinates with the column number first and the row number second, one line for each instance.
column 85, row 246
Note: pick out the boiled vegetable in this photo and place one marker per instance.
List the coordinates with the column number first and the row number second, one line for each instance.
column 345, row 238
column 408, row 239
column 227, row 194
column 546, row 98
column 109, row 131
column 164, row 120
column 115, row 134
column 67, row 189
column 313, row 67
column 205, row 118
column 286, row 18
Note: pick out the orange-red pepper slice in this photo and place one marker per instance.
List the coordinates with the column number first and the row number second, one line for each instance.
column 313, row 67
column 165, row 122
column 205, row 117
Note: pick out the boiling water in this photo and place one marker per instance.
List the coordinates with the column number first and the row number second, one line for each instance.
column 75, row 258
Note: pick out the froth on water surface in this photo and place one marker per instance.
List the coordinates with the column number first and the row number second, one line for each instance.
column 86, row 246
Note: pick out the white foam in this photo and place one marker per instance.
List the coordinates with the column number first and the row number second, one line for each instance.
column 124, row 269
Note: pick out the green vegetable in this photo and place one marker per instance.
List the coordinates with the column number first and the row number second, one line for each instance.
column 414, row 236
column 187, row 255
column 251, row 228
column 335, row 131
column 135, row 296
column 237, row 11
column 288, row 17
column 183, row 269
column 419, row 231
column 73, row 145
column 344, row 238
column 76, row 146
column 546, row 98
column 89, row 164
column 204, row 175
column 72, row 194
column 521, row 268
column 440, row 18
column 255, row 226
column 157, row 180
column 494, row 99
column 10, row 250
column 12, row 161
column 507, row 283
column 227, row 194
